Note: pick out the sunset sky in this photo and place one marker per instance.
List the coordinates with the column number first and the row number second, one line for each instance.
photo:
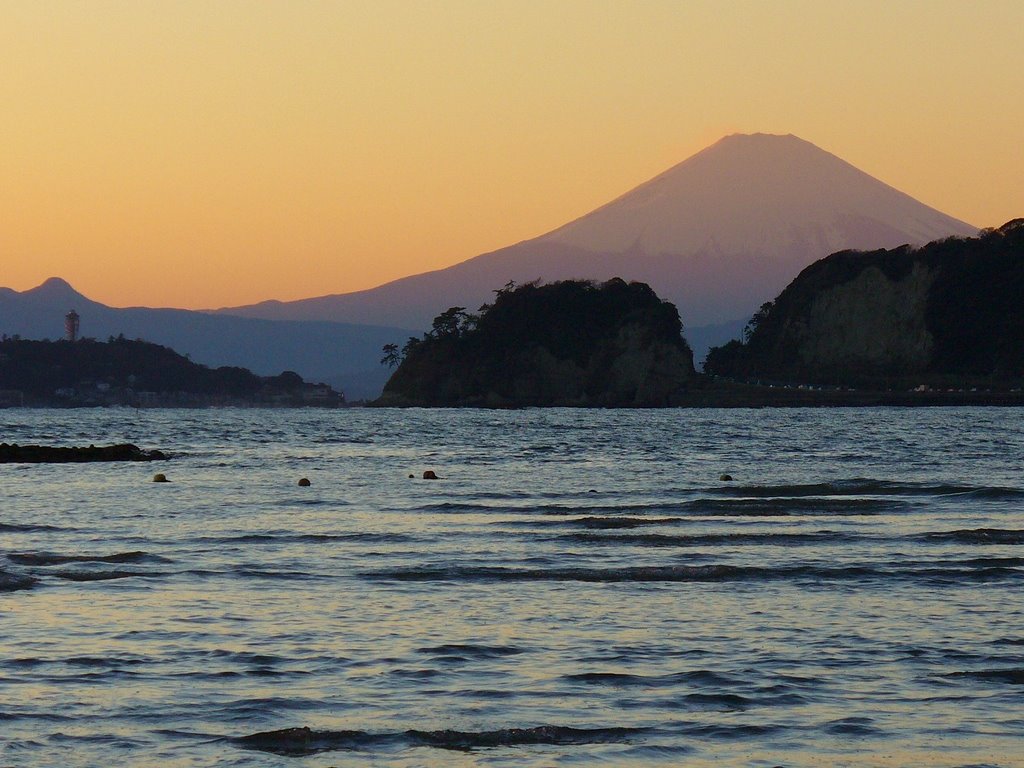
column 204, row 154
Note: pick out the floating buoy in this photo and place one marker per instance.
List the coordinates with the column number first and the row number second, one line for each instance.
column 725, row 478
column 160, row 477
column 430, row 475
column 412, row 477
column 304, row 482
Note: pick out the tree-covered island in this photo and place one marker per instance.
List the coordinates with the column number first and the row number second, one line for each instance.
column 568, row 343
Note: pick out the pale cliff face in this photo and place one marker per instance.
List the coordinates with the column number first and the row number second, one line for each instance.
column 647, row 371
column 871, row 322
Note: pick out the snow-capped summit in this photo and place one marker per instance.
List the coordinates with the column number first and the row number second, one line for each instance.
column 759, row 194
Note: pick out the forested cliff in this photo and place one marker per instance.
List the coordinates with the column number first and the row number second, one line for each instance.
column 566, row 343
column 954, row 307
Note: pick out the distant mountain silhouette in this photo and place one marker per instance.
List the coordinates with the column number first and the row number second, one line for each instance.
column 346, row 356
column 125, row 372
column 717, row 235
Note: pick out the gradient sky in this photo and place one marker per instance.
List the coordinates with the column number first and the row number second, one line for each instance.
column 203, row 154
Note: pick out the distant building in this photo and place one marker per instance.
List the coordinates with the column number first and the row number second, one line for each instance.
column 71, row 326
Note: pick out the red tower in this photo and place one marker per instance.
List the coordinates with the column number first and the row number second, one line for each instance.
column 71, row 326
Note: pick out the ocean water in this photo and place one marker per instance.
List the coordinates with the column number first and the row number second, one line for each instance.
column 579, row 588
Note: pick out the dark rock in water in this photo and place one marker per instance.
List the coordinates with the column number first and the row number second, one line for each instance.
column 430, row 475
column 44, row 454
column 304, row 482
column 725, row 478
column 160, row 477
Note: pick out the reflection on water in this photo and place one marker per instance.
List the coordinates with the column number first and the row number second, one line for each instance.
column 578, row 588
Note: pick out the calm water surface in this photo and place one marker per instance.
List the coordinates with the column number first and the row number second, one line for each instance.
column 578, row 589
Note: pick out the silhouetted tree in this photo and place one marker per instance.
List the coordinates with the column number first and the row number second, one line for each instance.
column 392, row 356
column 453, row 323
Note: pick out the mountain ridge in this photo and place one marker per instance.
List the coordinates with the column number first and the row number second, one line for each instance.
column 717, row 234
column 344, row 355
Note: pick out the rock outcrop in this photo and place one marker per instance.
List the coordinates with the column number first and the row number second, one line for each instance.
column 569, row 343
column 951, row 308
column 45, row 454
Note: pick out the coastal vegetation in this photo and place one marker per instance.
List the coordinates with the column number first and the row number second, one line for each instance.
column 570, row 342
column 947, row 314
column 939, row 325
column 121, row 371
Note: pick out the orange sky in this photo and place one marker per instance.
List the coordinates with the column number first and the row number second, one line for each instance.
column 202, row 154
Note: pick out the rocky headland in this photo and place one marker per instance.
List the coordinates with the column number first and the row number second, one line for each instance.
column 568, row 343
column 938, row 325
column 948, row 316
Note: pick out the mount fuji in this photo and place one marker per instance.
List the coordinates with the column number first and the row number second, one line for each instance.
column 718, row 234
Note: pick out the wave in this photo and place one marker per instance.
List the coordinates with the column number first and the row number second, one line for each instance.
column 800, row 505
column 592, row 522
column 739, row 507
column 726, row 701
column 1009, row 641
column 11, row 582
column 85, row 576
column 852, row 726
column 854, row 497
column 729, row 732
column 461, row 506
column 44, row 559
column 305, row 741
column 15, row 528
column 684, row 540
column 612, row 523
column 977, row 536
column 291, row 537
column 244, row 657
column 862, row 486
column 80, row 661
column 1012, row 676
column 470, row 652
column 253, row 572
column 956, row 572
column 621, row 680
column 667, row 573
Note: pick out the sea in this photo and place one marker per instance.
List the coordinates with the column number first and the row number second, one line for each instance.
column 577, row 588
